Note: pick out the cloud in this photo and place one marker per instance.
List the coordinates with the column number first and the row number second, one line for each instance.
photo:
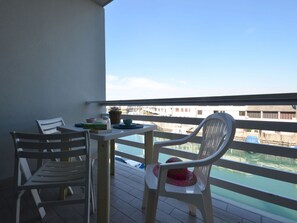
column 110, row 78
column 250, row 30
column 125, row 88
column 119, row 88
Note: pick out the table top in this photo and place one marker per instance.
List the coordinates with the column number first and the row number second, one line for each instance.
column 114, row 134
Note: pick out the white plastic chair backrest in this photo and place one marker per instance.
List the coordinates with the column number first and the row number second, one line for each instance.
column 65, row 145
column 217, row 134
column 49, row 126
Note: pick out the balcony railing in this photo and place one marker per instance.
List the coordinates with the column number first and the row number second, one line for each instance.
column 272, row 150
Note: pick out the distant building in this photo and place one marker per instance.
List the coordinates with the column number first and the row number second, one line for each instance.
column 238, row 112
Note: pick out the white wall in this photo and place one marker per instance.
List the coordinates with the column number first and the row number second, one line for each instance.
column 52, row 59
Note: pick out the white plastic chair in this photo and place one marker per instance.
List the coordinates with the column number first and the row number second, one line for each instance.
column 49, row 126
column 217, row 134
column 52, row 173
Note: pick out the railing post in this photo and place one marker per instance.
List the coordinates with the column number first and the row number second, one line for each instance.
column 148, row 141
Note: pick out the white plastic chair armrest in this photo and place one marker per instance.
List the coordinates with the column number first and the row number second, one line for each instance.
column 173, row 142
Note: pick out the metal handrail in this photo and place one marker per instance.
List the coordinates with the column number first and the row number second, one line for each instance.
column 276, row 150
column 254, row 99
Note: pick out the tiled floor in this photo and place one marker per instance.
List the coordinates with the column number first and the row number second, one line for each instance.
column 126, row 198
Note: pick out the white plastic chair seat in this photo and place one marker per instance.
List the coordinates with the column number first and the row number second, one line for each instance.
column 58, row 174
column 152, row 182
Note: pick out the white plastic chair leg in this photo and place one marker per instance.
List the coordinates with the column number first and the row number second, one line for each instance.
column 37, row 200
column 192, row 210
column 87, row 206
column 207, row 215
column 70, row 191
column 17, row 209
column 208, row 206
column 92, row 196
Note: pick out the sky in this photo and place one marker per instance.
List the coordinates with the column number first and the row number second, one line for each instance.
column 197, row 48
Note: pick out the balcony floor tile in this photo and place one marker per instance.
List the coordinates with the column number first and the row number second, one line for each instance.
column 126, row 201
